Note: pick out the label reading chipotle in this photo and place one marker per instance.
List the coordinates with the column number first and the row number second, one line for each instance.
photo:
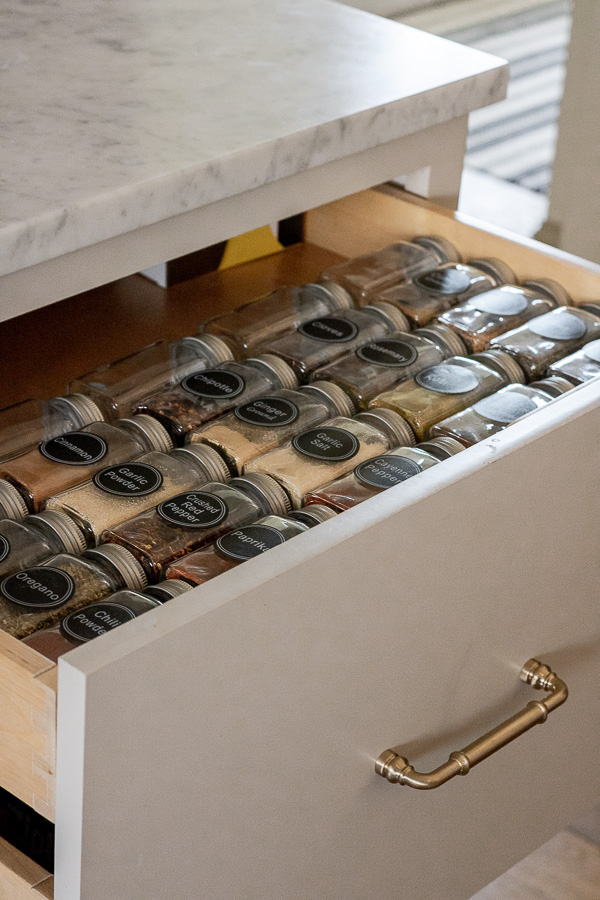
column 447, row 379
column 4, row 547
column 386, row 471
column 444, row 281
column 94, row 620
column 388, row 352
column 558, row 326
column 330, row 329
column 249, row 541
column 214, row 384
column 193, row 509
column 39, row 587
column 329, row 443
column 77, row 448
column 506, row 301
column 129, row 480
column 504, row 408
column 268, row 412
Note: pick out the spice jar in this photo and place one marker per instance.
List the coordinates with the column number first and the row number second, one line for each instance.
column 548, row 338
column 439, row 392
column 37, row 537
column 317, row 456
column 484, row 317
column 119, row 492
column 365, row 277
column 192, row 519
column 38, row 596
column 24, row 425
column 245, row 543
column 92, row 621
column 118, row 388
column 205, row 395
column 429, row 295
column 263, row 424
column 499, row 410
column 379, row 473
column 580, row 366
column 12, row 505
column 276, row 313
column 70, row 459
column 322, row 340
column 377, row 366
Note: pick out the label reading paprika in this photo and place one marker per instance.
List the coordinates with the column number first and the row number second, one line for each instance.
column 249, row 541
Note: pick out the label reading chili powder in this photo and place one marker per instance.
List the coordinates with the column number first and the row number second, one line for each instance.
column 215, row 384
column 563, row 326
column 446, row 379
column 77, row 448
column 386, row 471
column 268, row 412
column 95, row 619
column 4, row 547
column 129, row 480
column 504, row 408
column 330, row 329
column 444, row 281
column 330, row 443
column 193, row 509
column 506, row 301
column 390, row 353
column 249, row 541
column 38, row 587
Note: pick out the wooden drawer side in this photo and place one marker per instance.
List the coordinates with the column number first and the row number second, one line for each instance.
column 21, row 878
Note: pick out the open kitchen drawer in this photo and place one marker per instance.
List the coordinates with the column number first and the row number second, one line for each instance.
column 223, row 746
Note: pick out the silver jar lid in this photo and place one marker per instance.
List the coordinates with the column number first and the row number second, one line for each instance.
column 85, row 409
column 217, row 350
column 275, row 366
column 166, row 590
column 438, row 334
column 269, row 489
column 64, row 528
column 396, row 429
column 441, row 447
column 157, row 435
column 443, row 249
column 336, row 396
column 553, row 385
column 501, row 362
column 211, row 463
column 551, row 289
column 12, row 505
column 337, row 296
column 593, row 308
column 124, row 562
column 313, row 515
column 390, row 313
column 500, row 271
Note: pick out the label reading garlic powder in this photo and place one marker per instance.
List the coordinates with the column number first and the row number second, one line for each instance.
column 129, row 480
column 330, row 444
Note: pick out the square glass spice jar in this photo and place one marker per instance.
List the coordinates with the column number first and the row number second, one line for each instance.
column 580, row 366
column 35, row 538
column 26, row 424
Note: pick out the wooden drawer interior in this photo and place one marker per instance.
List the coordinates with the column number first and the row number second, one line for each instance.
column 22, row 879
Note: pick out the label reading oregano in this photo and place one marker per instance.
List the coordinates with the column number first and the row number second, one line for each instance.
column 249, row 541
column 76, row 448
column 504, row 408
column 506, row 301
column 329, row 443
column 4, row 547
column 39, row 587
column 94, row 620
column 268, row 412
column 193, row 509
column 214, row 384
column 592, row 351
column 559, row 325
column 386, row 471
column 389, row 352
column 447, row 379
column 444, row 281
column 330, row 329
column 129, row 480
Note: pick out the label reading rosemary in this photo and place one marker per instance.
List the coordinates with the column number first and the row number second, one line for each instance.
column 504, row 408
column 215, row 384
column 329, row 443
column 129, row 480
column 330, row 329
column 39, row 587
column 558, row 325
column 4, row 547
column 94, row 620
column 505, row 301
column 249, row 541
column 386, row 471
column 447, row 379
column 76, row 448
column 193, row 509
column 388, row 352
column 444, row 281
column 268, row 412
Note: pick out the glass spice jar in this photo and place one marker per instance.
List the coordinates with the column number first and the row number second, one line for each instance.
column 12, row 505
column 120, row 492
column 379, row 473
column 548, row 338
column 499, row 410
column 365, row 277
column 429, row 295
column 89, row 622
column 192, row 519
column 206, row 395
column 323, row 340
column 25, row 425
column 70, row 459
column 480, row 319
column 323, row 453
column 244, row 543
column 377, row 366
column 275, row 314
column 37, row 537
column 580, row 366
column 263, row 424
column 445, row 389
column 119, row 387
column 38, row 596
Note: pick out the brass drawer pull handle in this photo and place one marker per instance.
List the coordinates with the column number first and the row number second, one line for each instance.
column 397, row 769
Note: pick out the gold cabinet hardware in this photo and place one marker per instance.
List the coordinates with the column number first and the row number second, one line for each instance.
column 397, row 769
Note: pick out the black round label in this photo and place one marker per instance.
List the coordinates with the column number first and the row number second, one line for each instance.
column 444, row 281
column 39, row 587
column 592, row 351
column 76, row 448
column 330, row 329
column 504, row 408
column 558, row 325
column 4, row 547
column 249, row 541
column 328, row 443
column 447, row 379
column 94, row 620
column 129, row 480
column 193, row 509
column 268, row 412
column 386, row 471
column 388, row 352
column 505, row 301
column 214, row 383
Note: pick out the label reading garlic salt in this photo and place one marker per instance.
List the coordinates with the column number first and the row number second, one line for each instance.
column 388, row 352
column 4, row 547
column 329, row 329
column 386, row 471
column 129, row 480
column 329, row 443
column 249, row 541
column 504, row 408
column 76, row 448
column 447, row 379
column 214, row 384
column 193, row 509
column 94, row 620
column 38, row 587
column 561, row 326
column 506, row 301
column 444, row 281
column 268, row 412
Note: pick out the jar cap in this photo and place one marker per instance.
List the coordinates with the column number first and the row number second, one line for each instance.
column 269, row 489
column 440, row 334
column 212, row 464
column 441, row 447
column 394, row 427
column 313, row 515
column 337, row 296
column 552, row 289
column 496, row 268
column 339, row 399
column 554, row 385
column 157, row 435
column 593, row 308
column 502, row 363
column 390, row 313
column 65, row 529
column 277, row 367
column 124, row 562
column 12, row 505
column 166, row 590
column 443, row 249
column 215, row 347
column 86, row 410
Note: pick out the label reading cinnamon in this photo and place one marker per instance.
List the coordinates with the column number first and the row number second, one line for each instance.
column 76, row 448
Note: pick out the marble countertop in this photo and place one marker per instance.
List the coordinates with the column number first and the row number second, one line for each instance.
column 118, row 114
